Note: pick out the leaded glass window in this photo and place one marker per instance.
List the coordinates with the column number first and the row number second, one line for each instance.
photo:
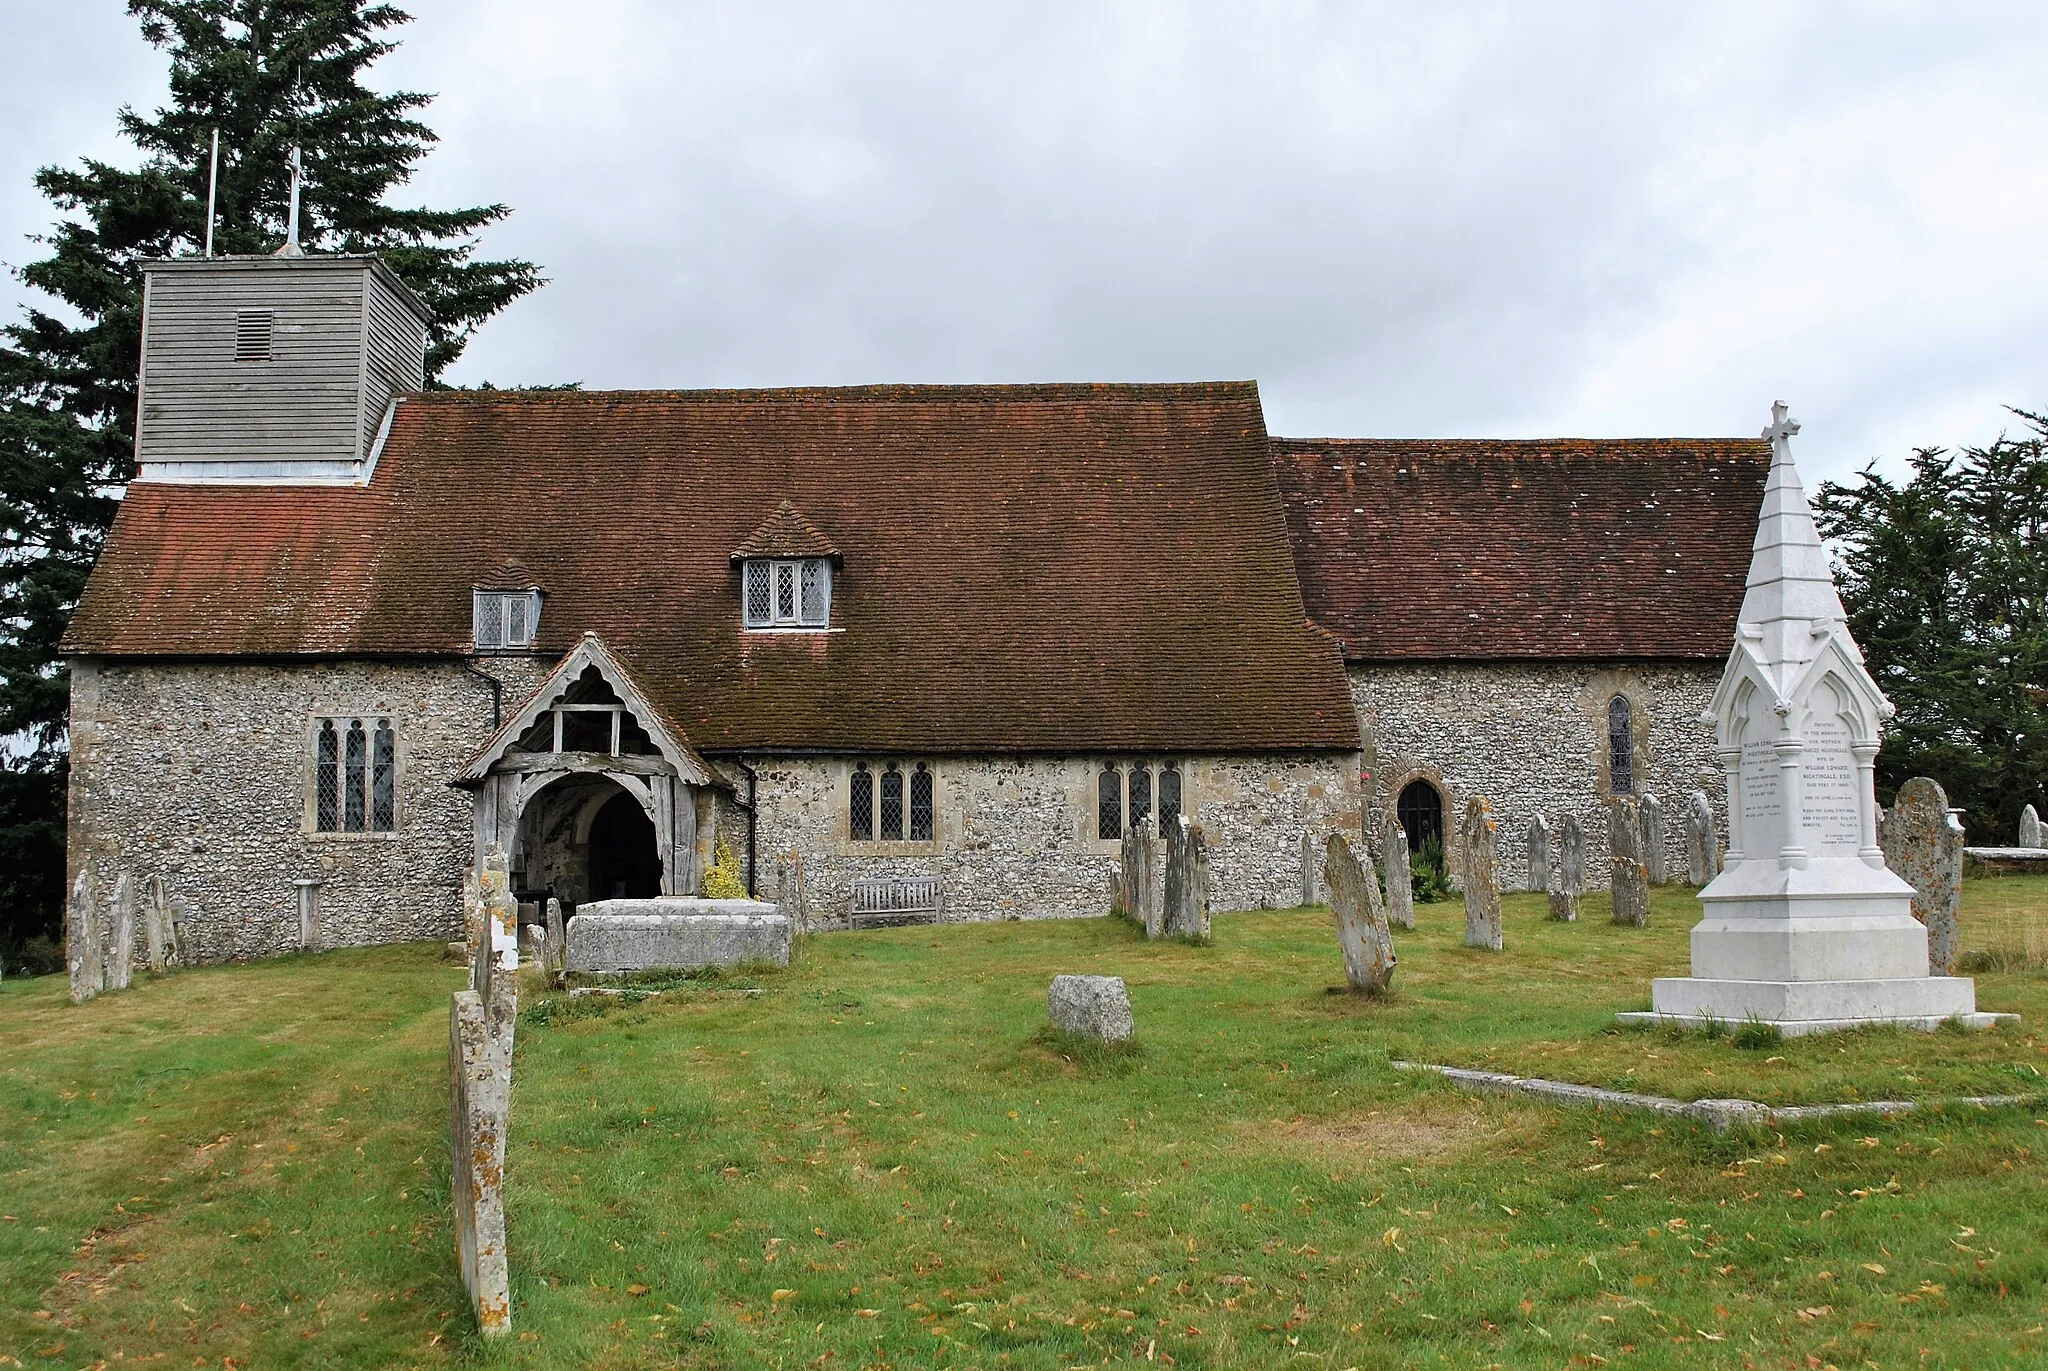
column 1169, row 796
column 921, row 804
column 787, row 594
column 1109, row 803
column 760, row 602
column 504, row 619
column 384, row 778
column 327, row 778
column 812, row 606
column 1621, row 747
column 355, row 764
column 1141, row 794
column 892, row 804
column 860, row 803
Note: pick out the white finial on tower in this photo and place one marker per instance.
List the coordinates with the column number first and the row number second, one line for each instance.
column 291, row 246
column 1783, row 426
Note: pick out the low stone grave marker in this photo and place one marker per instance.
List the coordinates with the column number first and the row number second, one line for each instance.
column 1630, row 880
column 1702, row 845
column 1096, row 1007
column 1481, row 841
column 1651, row 813
column 1539, row 855
column 1362, row 931
column 1400, row 876
column 1923, row 845
column 1571, row 872
column 1310, row 860
column 2030, row 828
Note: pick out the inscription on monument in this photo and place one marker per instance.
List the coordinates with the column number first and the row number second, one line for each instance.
column 1830, row 821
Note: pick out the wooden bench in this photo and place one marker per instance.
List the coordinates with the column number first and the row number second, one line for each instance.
column 895, row 900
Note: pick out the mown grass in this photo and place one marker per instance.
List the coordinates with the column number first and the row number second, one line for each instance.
column 883, row 1159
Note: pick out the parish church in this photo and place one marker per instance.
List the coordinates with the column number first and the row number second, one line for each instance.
column 915, row 650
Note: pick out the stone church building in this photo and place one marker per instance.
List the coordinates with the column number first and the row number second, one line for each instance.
column 896, row 647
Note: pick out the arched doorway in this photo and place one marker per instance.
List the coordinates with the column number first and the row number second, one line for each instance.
column 1420, row 808
column 623, row 864
column 585, row 837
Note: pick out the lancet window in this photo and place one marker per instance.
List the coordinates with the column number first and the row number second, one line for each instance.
column 1125, row 799
column 893, row 802
column 1621, row 746
column 355, row 776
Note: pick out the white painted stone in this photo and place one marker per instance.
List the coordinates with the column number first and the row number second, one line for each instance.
column 1805, row 925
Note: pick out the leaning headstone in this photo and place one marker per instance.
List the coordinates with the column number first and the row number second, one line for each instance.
column 1650, row 811
column 1481, row 841
column 1923, row 845
column 1362, row 930
column 1702, row 848
column 1310, row 860
column 1630, row 883
column 159, row 940
column 1539, row 855
column 1570, row 885
column 2030, row 828
column 1400, row 880
column 121, row 955
column 82, row 939
column 1090, row 1007
column 1186, row 897
column 556, row 949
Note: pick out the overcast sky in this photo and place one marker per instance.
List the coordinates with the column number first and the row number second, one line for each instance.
column 1401, row 219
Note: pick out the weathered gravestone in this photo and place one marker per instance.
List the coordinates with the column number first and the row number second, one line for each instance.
column 1702, row 847
column 1539, row 855
column 1480, row 840
column 1310, row 860
column 1400, row 879
column 120, row 962
column 555, row 951
column 1141, row 893
column 159, row 939
column 1187, row 881
column 480, row 1031
column 308, row 891
column 1362, row 930
column 1571, row 872
column 82, row 939
column 2030, row 828
column 1923, row 845
column 1631, row 877
column 1090, row 1007
column 1651, row 813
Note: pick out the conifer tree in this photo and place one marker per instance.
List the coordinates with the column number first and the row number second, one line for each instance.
column 270, row 75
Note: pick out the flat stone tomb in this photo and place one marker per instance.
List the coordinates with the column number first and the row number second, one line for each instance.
column 675, row 933
column 1805, row 928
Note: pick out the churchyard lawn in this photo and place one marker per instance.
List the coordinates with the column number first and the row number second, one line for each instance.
column 880, row 1160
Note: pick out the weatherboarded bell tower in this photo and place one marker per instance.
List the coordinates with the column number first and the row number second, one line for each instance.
column 1805, row 929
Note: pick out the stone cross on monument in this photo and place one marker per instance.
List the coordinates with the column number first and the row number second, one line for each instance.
column 1804, row 928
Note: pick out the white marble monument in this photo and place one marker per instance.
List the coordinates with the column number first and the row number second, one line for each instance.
column 1804, row 928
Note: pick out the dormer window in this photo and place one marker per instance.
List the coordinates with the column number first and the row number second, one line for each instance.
column 788, row 592
column 505, row 619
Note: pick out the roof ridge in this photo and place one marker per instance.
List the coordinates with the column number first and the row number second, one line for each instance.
column 911, row 390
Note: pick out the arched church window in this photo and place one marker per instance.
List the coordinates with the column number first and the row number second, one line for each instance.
column 355, row 762
column 327, row 779
column 384, row 778
column 1109, row 803
column 892, row 804
column 1169, row 796
column 1621, row 747
column 921, row 804
column 860, row 803
column 1141, row 794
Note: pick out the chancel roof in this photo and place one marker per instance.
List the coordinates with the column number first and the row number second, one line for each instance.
column 1022, row 568
column 1488, row 549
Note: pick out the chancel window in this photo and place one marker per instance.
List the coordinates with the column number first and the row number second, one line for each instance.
column 892, row 802
column 355, row 776
column 1126, row 800
column 1621, row 747
column 787, row 593
column 505, row 619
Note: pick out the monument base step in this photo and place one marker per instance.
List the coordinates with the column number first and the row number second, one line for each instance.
column 1801, row 1007
column 1800, row 1028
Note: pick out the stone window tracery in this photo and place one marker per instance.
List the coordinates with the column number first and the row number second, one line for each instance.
column 892, row 804
column 1621, row 747
column 1120, row 804
column 1169, row 795
column 1141, row 794
column 355, row 775
column 860, row 803
column 921, row 804
column 1109, row 803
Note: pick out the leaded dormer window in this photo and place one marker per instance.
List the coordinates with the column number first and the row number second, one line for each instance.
column 788, row 592
column 505, row 620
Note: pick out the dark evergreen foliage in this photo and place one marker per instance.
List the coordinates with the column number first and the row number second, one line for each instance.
column 1945, row 578
column 270, row 75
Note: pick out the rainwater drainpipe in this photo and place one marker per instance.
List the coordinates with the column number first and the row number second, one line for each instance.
column 753, row 783
column 497, row 690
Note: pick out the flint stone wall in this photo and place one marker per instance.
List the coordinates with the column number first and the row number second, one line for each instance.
column 202, row 773
column 1532, row 738
column 1015, row 837
column 675, row 933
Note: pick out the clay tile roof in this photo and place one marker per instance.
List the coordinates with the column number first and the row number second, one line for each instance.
column 1059, row 568
column 786, row 534
column 1437, row 550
